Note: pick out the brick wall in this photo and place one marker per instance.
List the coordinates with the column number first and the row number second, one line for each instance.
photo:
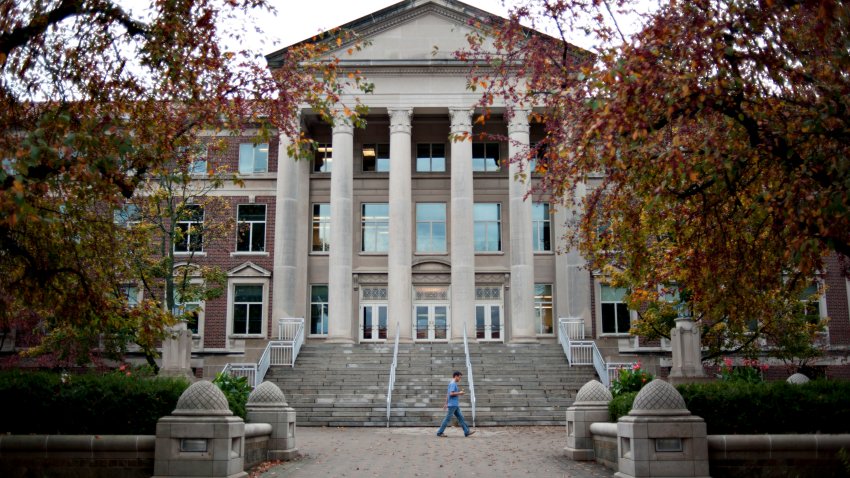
column 836, row 302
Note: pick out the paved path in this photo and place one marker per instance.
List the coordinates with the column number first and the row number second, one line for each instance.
column 418, row 452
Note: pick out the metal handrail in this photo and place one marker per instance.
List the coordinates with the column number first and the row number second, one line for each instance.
column 469, row 374
column 585, row 352
column 392, row 374
column 277, row 352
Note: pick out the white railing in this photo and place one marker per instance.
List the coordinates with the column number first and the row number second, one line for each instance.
column 469, row 374
column 277, row 352
column 392, row 375
column 585, row 352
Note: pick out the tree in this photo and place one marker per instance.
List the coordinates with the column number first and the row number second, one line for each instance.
column 720, row 130
column 93, row 101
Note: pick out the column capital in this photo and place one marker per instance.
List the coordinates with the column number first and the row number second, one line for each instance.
column 518, row 122
column 400, row 119
column 461, row 119
column 343, row 127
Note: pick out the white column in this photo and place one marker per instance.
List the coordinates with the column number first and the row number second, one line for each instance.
column 340, row 329
column 522, row 253
column 463, row 247
column 572, row 280
column 290, row 236
column 401, row 209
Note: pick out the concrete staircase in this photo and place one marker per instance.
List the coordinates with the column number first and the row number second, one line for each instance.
column 337, row 385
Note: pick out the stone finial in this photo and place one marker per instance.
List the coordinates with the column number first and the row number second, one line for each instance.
column 659, row 398
column 267, row 394
column 797, row 379
column 593, row 391
column 202, row 398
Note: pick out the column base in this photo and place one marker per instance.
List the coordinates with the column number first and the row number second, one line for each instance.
column 578, row 454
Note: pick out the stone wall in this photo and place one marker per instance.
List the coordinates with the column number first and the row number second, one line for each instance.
column 76, row 456
column 605, row 444
column 257, row 436
column 775, row 456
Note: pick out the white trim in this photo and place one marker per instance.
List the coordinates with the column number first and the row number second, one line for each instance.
column 232, row 282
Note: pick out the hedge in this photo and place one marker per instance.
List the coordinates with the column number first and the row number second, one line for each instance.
column 109, row 404
column 819, row 406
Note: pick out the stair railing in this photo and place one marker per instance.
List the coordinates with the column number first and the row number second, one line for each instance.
column 585, row 352
column 277, row 352
column 469, row 374
column 392, row 374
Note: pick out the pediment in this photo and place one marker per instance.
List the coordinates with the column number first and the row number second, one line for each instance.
column 412, row 30
column 248, row 269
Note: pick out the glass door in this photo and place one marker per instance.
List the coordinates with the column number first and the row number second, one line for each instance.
column 373, row 322
column 431, row 322
column 488, row 322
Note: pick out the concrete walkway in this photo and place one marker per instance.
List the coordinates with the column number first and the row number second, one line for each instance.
column 418, row 452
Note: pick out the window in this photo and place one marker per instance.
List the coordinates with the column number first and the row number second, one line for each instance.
column 321, row 227
column 199, row 162
column 127, row 215
column 375, row 227
column 248, row 309
column 431, row 227
column 188, row 235
column 543, row 308
column 251, row 228
column 130, row 293
column 319, row 310
column 253, row 158
column 485, row 157
column 541, row 226
column 376, row 157
column 487, row 227
column 323, row 159
column 811, row 300
column 431, row 158
column 193, row 308
column 540, row 162
column 615, row 313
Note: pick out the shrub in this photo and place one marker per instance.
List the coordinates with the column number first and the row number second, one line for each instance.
column 621, row 405
column 819, row 406
column 121, row 403
column 630, row 380
column 740, row 407
column 236, row 389
column 751, row 372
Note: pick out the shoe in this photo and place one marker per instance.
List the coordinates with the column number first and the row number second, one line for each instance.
column 470, row 433
column 441, row 435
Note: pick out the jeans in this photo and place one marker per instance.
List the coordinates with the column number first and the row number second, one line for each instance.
column 456, row 412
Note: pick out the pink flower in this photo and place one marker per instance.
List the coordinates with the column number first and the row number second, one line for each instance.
column 728, row 362
column 123, row 367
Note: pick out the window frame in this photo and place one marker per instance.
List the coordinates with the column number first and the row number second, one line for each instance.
column 431, row 224
column 377, row 158
column 537, row 224
column 487, row 147
column 431, row 159
column 253, row 158
column 485, row 222
column 326, row 309
column 370, row 225
column 540, row 305
column 324, row 225
column 231, row 303
column 323, row 152
column 251, row 225
column 188, row 234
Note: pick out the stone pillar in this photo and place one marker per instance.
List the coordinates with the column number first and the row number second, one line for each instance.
column 522, row 249
column 267, row 404
column 177, row 352
column 400, row 307
column 660, row 437
column 572, row 283
column 289, row 280
column 341, row 235
column 201, row 437
column 590, row 406
column 687, row 358
column 463, row 246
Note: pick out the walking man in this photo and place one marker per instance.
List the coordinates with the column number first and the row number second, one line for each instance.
column 453, row 406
